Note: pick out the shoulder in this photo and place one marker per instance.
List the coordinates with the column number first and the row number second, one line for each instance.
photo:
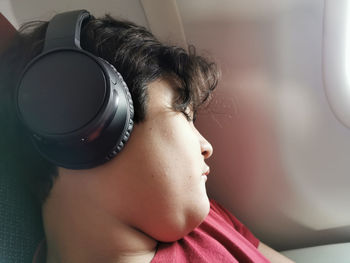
column 225, row 214
column 218, row 211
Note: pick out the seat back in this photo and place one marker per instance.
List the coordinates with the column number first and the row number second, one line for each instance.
column 20, row 218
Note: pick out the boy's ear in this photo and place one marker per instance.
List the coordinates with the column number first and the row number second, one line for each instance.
column 7, row 32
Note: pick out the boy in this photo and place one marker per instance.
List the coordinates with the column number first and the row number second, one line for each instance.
column 149, row 202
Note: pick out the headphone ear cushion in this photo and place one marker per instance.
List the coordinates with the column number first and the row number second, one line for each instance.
column 118, row 80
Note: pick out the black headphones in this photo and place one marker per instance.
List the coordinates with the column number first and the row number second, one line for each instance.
column 76, row 106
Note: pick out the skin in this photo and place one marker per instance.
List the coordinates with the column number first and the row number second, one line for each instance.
column 153, row 190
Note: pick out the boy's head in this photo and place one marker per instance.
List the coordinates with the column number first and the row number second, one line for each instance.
column 159, row 173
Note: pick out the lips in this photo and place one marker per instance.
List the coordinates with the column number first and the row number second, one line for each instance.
column 206, row 172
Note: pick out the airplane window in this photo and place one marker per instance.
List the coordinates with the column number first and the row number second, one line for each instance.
column 336, row 58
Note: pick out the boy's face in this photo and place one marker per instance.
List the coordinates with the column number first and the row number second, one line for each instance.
column 156, row 184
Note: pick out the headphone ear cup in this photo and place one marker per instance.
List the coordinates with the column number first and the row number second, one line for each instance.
column 81, row 114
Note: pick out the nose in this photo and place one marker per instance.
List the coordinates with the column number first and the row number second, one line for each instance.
column 206, row 148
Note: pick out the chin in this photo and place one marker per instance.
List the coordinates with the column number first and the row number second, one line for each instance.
column 178, row 229
column 198, row 215
column 204, row 209
column 203, row 206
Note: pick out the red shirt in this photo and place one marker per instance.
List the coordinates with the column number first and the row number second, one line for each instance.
column 220, row 238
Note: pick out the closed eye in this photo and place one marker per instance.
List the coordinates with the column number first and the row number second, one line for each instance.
column 189, row 116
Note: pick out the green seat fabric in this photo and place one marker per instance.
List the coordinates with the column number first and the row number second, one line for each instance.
column 20, row 219
column 21, row 226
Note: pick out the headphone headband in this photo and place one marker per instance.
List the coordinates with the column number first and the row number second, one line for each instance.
column 64, row 30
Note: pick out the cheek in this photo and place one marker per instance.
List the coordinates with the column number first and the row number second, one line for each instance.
column 163, row 194
column 174, row 196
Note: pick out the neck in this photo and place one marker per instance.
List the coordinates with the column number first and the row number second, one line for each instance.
column 78, row 230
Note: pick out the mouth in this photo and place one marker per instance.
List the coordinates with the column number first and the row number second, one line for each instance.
column 205, row 174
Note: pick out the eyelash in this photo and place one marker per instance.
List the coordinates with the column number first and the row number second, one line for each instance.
column 188, row 117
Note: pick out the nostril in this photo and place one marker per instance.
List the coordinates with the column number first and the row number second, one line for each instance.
column 207, row 151
column 205, row 154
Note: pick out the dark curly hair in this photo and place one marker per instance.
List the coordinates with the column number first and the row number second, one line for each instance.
column 136, row 54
